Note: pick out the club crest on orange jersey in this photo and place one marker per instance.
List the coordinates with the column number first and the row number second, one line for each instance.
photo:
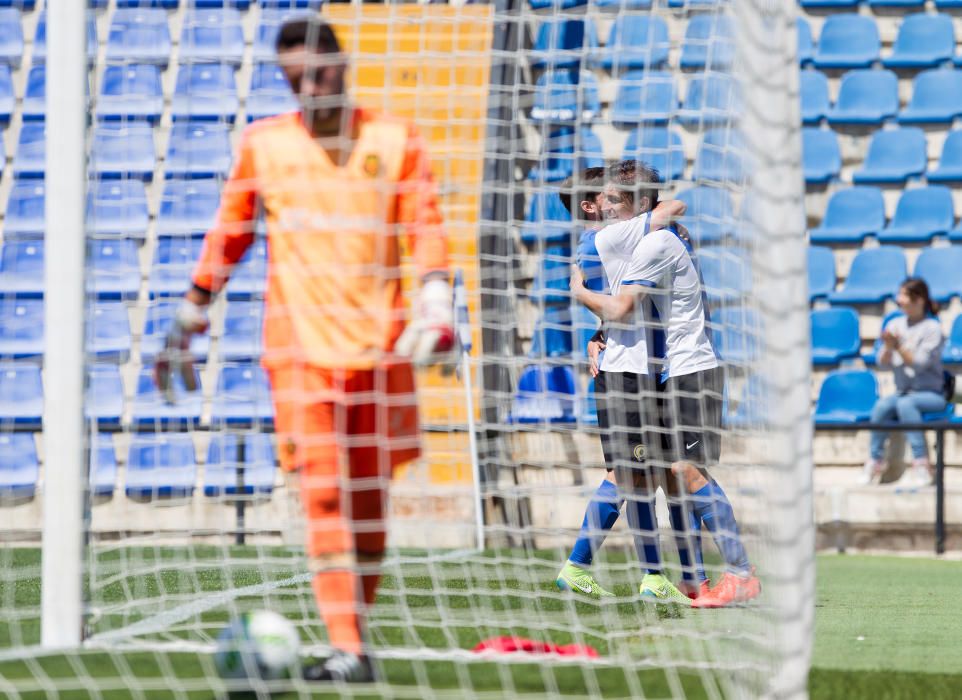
column 372, row 165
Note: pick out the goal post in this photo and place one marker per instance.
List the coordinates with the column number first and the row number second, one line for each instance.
column 186, row 518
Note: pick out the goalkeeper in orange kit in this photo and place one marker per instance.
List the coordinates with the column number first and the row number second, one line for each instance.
column 338, row 187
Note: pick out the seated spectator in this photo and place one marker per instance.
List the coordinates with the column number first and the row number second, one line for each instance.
column 912, row 348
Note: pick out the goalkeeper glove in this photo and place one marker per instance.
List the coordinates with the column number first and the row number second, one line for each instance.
column 189, row 320
column 431, row 330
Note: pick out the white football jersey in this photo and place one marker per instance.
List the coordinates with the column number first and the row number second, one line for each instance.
column 628, row 339
column 664, row 263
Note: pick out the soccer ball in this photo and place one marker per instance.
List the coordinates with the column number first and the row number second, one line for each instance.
column 259, row 644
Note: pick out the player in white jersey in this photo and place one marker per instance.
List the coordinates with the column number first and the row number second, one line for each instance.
column 643, row 263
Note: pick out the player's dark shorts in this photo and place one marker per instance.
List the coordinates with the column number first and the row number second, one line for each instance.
column 626, row 405
column 691, row 416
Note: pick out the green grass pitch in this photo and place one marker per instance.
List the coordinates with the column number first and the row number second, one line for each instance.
column 886, row 627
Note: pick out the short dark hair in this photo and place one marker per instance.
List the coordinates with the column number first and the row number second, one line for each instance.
column 311, row 32
column 636, row 179
column 587, row 184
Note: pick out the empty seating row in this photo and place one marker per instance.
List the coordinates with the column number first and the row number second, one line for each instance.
column 894, row 156
column 156, row 466
column 870, row 97
column 634, row 41
column 242, row 398
column 852, row 41
column 852, row 4
column 118, row 208
column 876, row 273
column 109, row 334
column 194, row 150
column 856, row 213
column 113, row 269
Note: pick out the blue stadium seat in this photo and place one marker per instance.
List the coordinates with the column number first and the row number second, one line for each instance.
column 563, row 43
column 161, row 466
column 40, row 38
column 221, row 470
column 952, row 352
column 242, row 5
column 152, row 410
column 213, row 35
column 713, row 99
column 113, row 269
column 875, row 276
column 893, row 156
column 550, row 284
column 123, row 151
column 562, row 97
column 198, row 150
column 806, row 46
column 635, row 41
column 921, row 214
column 545, row 395
column 726, row 273
column 108, row 332
column 736, row 331
column 160, row 316
column 821, row 156
column 131, row 92
column 940, row 268
column 546, row 219
column 205, row 92
column 720, row 156
column 34, row 107
column 243, row 325
column 19, row 467
column 270, row 93
column 162, row 4
column 813, row 87
column 139, row 36
column 559, row 159
column 866, row 97
column 249, row 277
column 11, row 36
column 117, row 208
column 923, row 41
column 188, row 207
column 659, row 147
column 847, row 41
column 103, row 466
column 839, row 4
column 560, row 4
column 8, row 98
column 709, row 42
column 174, row 260
column 851, row 215
column 710, row 216
column 552, row 333
column 24, row 214
column 104, row 396
column 936, row 98
column 846, row 396
column 21, row 329
column 21, row 269
column 21, row 395
column 835, row 336
column 30, row 157
column 644, row 96
column 821, row 272
column 292, row 4
column 906, row 4
column 243, row 397
column 949, row 168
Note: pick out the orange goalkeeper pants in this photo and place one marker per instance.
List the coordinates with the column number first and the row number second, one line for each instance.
column 345, row 431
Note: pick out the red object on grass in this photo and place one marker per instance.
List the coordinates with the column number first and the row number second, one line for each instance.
column 530, row 646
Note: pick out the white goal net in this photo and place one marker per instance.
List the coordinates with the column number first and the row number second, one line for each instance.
column 191, row 514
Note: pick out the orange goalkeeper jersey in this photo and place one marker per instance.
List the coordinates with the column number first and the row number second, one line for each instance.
column 333, row 279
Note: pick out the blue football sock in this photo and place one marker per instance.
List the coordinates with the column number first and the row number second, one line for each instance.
column 644, row 530
column 600, row 517
column 688, row 539
column 712, row 507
